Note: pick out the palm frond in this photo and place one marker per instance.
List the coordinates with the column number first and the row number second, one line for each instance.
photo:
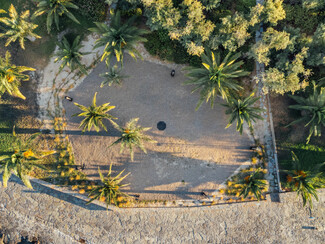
column 94, row 115
column 118, row 37
column 18, row 26
column 132, row 137
column 215, row 78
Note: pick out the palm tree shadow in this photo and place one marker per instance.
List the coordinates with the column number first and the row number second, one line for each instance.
column 179, row 176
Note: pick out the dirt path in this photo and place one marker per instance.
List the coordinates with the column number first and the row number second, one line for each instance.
column 194, row 153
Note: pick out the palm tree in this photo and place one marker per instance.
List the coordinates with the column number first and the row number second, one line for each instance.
column 242, row 110
column 11, row 75
column 22, row 160
column 132, row 136
column 314, row 111
column 54, row 10
column 70, row 55
column 118, row 37
column 109, row 191
column 18, row 26
column 254, row 184
column 94, row 115
column 114, row 76
column 215, row 77
column 304, row 180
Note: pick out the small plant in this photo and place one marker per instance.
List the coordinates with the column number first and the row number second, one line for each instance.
column 132, row 136
column 253, row 184
column 114, row 76
column 94, row 115
column 22, row 159
column 18, row 27
column 110, row 190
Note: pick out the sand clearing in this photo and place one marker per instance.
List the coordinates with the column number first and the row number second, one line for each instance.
column 193, row 154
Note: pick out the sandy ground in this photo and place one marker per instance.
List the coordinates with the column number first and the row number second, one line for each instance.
column 194, row 153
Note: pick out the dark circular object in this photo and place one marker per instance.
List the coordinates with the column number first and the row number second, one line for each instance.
column 161, row 125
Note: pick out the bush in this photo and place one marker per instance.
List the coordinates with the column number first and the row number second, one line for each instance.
column 299, row 17
column 245, row 5
column 94, row 10
column 159, row 44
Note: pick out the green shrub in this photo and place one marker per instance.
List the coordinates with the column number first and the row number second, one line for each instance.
column 245, row 5
column 159, row 44
column 307, row 154
column 299, row 17
column 94, row 10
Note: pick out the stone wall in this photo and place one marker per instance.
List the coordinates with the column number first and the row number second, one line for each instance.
column 60, row 218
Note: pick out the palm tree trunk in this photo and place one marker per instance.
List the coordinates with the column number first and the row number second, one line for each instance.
column 251, row 130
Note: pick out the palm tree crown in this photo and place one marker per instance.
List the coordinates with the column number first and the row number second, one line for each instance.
column 114, row 76
column 314, row 107
column 132, row 136
column 304, row 180
column 11, row 75
column 22, row 159
column 109, row 191
column 253, row 184
column 19, row 27
column 54, row 10
column 94, row 115
column 118, row 37
column 70, row 55
column 215, row 77
column 242, row 110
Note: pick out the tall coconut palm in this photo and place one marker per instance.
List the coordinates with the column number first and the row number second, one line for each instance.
column 242, row 110
column 215, row 77
column 132, row 136
column 54, row 10
column 304, row 180
column 113, row 76
column 70, row 55
column 22, row 159
column 94, row 115
column 118, row 37
column 110, row 190
column 11, row 76
column 18, row 26
column 313, row 108
column 253, row 184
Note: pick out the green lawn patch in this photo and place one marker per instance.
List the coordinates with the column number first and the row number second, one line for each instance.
column 309, row 155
